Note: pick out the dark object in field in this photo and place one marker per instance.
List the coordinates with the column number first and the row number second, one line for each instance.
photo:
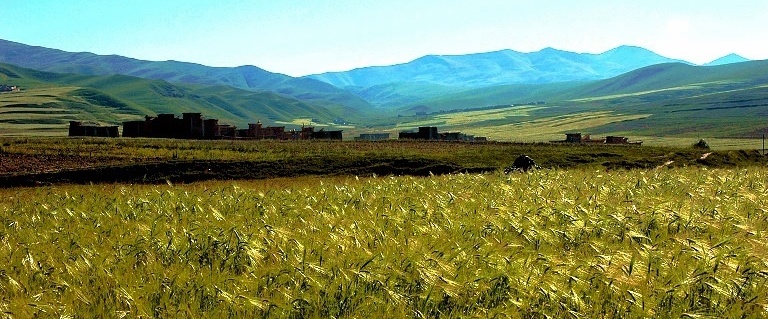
column 523, row 163
column 702, row 144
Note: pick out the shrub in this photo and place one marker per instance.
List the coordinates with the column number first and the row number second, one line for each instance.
column 702, row 144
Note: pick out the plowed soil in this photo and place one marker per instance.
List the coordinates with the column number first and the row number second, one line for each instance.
column 33, row 170
column 27, row 170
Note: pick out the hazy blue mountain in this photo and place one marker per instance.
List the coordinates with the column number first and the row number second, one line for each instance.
column 500, row 67
column 244, row 77
column 728, row 59
column 647, row 86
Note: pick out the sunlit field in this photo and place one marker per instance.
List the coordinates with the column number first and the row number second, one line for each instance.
column 579, row 243
column 473, row 116
column 515, row 124
column 33, row 112
column 553, row 128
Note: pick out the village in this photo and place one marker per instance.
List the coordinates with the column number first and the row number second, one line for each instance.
column 578, row 138
column 194, row 126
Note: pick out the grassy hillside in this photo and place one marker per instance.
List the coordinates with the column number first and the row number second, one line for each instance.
column 394, row 95
column 491, row 96
column 49, row 100
column 676, row 75
column 249, row 78
column 666, row 103
column 668, row 100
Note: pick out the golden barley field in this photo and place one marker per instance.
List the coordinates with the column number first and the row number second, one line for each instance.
column 579, row 243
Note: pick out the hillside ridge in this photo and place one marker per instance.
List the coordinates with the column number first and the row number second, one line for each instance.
column 250, row 78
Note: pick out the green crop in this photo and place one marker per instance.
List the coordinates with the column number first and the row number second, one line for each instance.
column 667, row 243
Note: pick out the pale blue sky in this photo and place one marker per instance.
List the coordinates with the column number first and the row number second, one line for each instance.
column 299, row 37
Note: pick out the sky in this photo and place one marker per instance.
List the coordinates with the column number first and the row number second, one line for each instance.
column 301, row 37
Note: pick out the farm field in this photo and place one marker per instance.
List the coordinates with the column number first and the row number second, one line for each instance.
column 270, row 181
column 34, row 112
column 536, row 123
column 582, row 243
column 40, row 161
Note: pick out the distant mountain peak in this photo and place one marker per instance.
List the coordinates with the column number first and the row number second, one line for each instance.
column 728, row 59
column 501, row 67
column 628, row 48
column 550, row 50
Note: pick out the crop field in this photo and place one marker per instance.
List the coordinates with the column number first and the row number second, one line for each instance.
column 33, row 112
column 47, row 111
column 579, row 243
column 515, row 124
column 309, row 122
column 22, row 155
column 692, row 87
column 554, row 128
column 473, row 116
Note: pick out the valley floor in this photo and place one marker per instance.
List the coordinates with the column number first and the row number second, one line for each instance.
column 44, row 161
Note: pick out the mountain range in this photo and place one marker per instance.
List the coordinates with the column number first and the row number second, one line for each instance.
column 437, row 75
column 243, row 77
column 501, row 67
column 63, row 86
column 350, row 92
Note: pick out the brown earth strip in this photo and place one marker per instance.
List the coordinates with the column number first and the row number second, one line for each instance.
column 192, row 171
column 31, row 170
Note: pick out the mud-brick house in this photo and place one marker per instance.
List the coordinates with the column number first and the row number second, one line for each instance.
column 211, row 129
column 372, row 137
column 270, row 132
column 424, row 133
column 259, row 131
column 621, row 140
column 192, row 126
column 189, row 126
column 77, row 128
column 227, row 130
column 579, row 138
column 326, row 135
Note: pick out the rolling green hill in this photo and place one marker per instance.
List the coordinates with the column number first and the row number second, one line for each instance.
column 557, row 92
column 244, row 77
column 724, row 100
column 662, row 101
column 48, row 101
column 671, row 75
column 657, row 82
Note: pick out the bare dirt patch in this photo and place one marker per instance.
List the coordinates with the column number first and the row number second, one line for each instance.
column 192, row 171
